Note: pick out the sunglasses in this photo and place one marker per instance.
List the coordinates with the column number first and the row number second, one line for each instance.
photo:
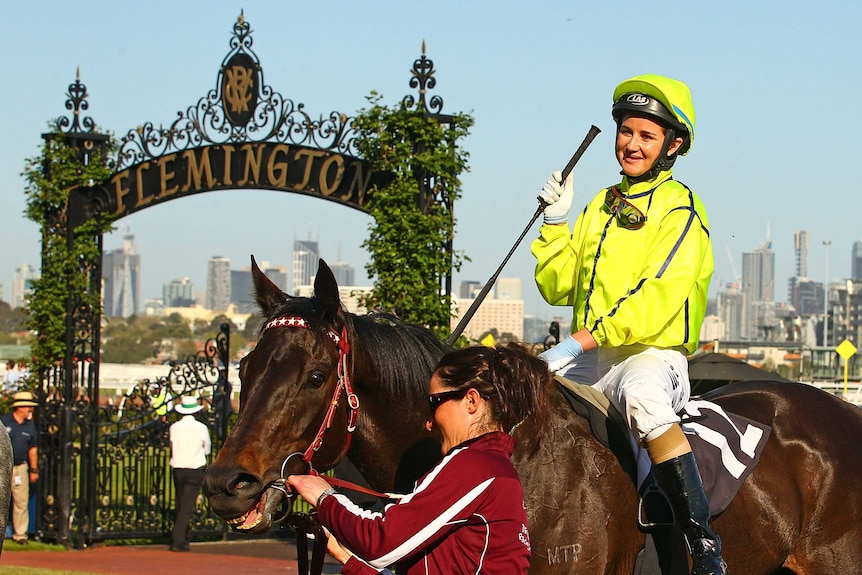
column 435, row 400
column 626, row 213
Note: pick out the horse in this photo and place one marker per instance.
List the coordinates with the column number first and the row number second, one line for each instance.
column 798, row 513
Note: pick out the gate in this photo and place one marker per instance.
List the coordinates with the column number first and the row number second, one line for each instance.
column 105, row 468
column 122, row 486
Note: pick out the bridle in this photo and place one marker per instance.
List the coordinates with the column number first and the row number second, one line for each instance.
column 302, row 523
column 307, row 523
column 342, row 386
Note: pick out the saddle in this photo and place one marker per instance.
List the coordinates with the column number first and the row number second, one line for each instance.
column 726, row 446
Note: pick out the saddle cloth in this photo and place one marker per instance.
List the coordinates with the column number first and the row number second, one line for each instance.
column 726, row 445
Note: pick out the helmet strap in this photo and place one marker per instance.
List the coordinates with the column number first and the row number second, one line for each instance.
column 663, row 162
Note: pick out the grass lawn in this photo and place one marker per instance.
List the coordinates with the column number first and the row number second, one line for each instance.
column 10, row 546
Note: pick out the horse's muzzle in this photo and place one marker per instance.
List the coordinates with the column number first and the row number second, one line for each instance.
column 242, row 500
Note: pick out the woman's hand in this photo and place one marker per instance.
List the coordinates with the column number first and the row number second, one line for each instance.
column 309, row 487
column 336, row 549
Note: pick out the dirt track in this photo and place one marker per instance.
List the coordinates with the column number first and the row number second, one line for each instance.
column 249, row 557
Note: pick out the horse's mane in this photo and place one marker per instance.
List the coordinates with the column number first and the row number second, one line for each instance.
column 402, row 354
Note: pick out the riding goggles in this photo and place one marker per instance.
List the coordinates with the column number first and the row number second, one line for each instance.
column 435, row 400
column 626, row 213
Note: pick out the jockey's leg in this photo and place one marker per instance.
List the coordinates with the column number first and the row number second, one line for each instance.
column 677, row 474
column 650, row 388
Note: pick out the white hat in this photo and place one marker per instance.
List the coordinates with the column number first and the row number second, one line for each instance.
column 189, row 405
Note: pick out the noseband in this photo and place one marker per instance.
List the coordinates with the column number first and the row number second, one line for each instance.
column 343, row 386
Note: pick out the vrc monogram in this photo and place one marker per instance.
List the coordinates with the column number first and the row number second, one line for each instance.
column 237, row 88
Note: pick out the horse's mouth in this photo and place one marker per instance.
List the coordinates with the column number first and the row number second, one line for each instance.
column 262, row 514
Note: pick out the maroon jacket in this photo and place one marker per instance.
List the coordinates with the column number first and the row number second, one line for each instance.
column 465, row 516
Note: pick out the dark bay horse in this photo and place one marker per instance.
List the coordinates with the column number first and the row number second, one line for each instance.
column 800, row 511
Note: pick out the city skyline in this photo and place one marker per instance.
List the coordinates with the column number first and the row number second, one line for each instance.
column 153, row 286
column 747, row 164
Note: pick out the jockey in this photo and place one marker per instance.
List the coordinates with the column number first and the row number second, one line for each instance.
column 636, row 270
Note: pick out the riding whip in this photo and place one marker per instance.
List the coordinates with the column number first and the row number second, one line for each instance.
column 459, row 329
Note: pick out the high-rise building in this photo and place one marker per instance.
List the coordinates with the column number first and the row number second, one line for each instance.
column 242, row 289
column 218, row 284
column 469, row 289
column 509, row 288
column 731, row 309
column 758, row 284
column 305, row 258
column 806, row 296
column 758, row 273
column 179, row 293
column 800, row 245
column 22, row 285
column 121, row 271
column 847, row 313
column 711, row 329
column 345, row 274
column 277, row 274
column 503, row 314
column 242, row 284
column 856, row 261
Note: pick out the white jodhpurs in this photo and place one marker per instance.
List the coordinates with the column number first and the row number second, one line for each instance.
column 583, row 369
column 648, row 389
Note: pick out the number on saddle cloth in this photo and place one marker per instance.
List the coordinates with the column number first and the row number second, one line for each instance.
column 726, row 446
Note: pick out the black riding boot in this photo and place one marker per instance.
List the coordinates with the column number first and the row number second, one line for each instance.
column 681, row 482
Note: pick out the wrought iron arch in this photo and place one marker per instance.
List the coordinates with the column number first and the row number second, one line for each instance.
column 242, row 135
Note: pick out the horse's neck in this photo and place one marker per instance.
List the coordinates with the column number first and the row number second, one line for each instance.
column 390, row 447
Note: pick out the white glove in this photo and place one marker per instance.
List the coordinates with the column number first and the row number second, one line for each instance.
column 562, row 354
column 557, row 197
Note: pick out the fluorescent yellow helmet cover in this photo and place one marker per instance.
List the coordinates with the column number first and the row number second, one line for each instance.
column 673, row 94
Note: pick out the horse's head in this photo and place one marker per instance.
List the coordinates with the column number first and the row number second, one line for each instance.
column 295, row 389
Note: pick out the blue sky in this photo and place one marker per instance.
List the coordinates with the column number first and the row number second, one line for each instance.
column 775, row 86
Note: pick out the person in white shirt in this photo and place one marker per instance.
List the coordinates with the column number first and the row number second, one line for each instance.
column 190, row 445
column 12, row 379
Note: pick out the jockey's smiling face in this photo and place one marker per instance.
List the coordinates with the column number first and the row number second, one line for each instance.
column 639, row 143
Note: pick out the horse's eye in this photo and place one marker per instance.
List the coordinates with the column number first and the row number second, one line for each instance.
column 316, row 379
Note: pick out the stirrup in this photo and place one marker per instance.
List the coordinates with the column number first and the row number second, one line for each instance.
column 653, row 490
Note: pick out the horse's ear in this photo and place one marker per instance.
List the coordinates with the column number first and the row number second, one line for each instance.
column 268, row 295
column 326, row 290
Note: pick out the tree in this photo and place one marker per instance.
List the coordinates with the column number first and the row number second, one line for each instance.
column 12, row 320
column 408, row 235
column 60, row 168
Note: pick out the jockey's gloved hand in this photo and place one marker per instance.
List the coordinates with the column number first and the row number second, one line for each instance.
column 557, row 197
column 562, row 354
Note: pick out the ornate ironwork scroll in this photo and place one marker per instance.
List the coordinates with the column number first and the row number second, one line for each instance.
column 423, row 79
column 76, row 103
column 241, row 108
column 121, row 454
